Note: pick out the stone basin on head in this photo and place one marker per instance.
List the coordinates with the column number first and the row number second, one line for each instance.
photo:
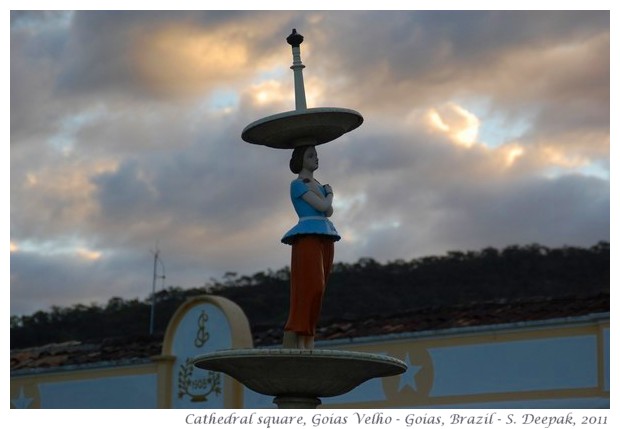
column 300, row 127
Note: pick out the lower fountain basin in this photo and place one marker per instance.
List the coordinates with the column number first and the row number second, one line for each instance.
column 300, row 373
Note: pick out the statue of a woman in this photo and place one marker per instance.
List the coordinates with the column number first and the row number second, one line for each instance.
column 312, row 241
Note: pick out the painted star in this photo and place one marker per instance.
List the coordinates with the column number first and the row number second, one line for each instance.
column 21, row 401
column 408, row 377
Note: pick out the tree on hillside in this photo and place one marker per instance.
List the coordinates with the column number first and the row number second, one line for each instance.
column 355, row 290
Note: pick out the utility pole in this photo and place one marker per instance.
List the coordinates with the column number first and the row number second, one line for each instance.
column 153, row 296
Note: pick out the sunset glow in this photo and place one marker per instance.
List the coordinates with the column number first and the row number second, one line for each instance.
column 459, row 124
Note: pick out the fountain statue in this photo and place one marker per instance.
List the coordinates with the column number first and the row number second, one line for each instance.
column 298, row 374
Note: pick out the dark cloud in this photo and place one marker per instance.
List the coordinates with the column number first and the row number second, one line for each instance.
column 542, row 210
column 155, row 54
column 443, row 47
column 63, row 278
column 551, row 66
column 125, row 194
column 412, row 221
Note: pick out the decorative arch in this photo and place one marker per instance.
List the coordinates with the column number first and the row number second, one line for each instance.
column 201, row 325
column 241, row 335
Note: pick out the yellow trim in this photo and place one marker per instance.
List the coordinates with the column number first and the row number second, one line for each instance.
column 164, row 380
column 485, row 337
column 601, row 357
column 89, row 373
column 404, row 401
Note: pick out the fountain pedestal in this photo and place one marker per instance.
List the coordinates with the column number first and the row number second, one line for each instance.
column 299, row 378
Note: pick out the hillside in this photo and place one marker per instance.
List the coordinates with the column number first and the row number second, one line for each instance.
column 363, row 290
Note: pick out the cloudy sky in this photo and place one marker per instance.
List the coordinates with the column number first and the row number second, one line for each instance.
column 480, row 129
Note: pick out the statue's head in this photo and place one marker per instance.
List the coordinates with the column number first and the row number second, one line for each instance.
column 304, row 156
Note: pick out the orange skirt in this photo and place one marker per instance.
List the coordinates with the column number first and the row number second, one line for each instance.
column 312, row 258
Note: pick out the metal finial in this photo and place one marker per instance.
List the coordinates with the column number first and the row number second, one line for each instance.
column 294, row 39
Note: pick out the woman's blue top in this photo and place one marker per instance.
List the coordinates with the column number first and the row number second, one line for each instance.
column 311, row 221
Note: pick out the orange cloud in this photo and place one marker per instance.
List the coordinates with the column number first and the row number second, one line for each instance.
column 270, row 92
column 66, row 188
column 88, row 254
column 459, row 124
column 181, row 60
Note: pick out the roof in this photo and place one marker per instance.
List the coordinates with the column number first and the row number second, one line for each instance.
column 122, row 350
column 135, row 350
